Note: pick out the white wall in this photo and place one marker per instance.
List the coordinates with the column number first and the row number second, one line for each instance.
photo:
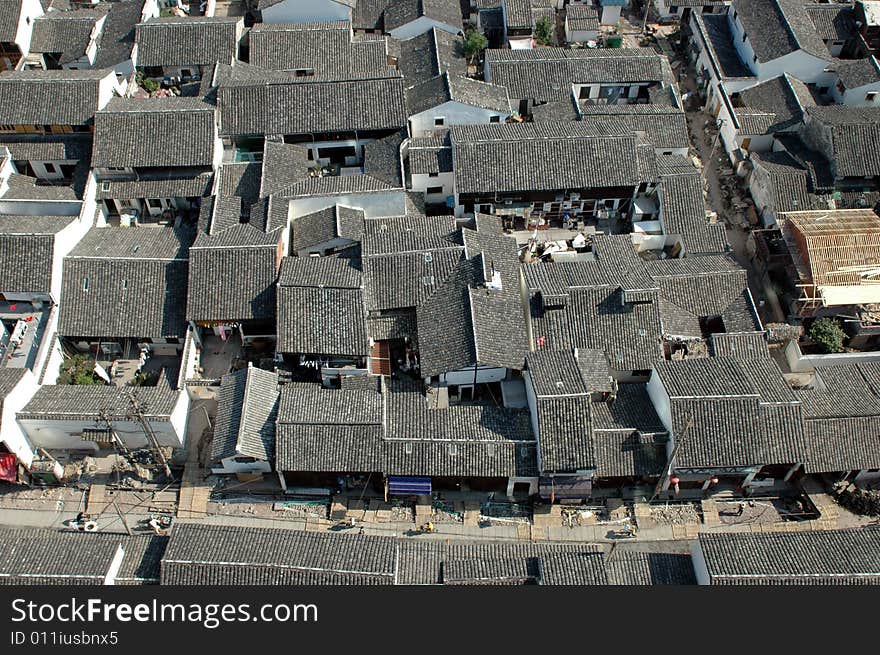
column 420, row 182
column 30, row 9
column 800, row 363
column 609, row 15
column 856, row 97
column 11, row 434
column 421, row 25
column 306, row 11
column 71, row 235
column 660, row 398
column 49, row 373
column 466, row 376
column 109, row 87
column 699, row 561
column 229, row 466
column 532, row 400
column 453, row 113
column 40, row 207
column 65, row 434
column 179, row 416
column 579, row 36
column 374, row 205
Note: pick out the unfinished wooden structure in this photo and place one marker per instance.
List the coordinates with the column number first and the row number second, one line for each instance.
column 837, row 256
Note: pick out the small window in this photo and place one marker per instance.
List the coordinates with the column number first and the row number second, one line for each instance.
column 745, row 36
column 453, row 449
column 305, row 72
column 152, row 202
column 125, row 285
column 433, row 174
column 439, row 121
column 408, row 448
column 707, row 9
column 495, row 119
column 871, row 96
column 734, row 14
column 673, row 9
column 755, row 59
column 429, row 257
column 85, row 284
column 435, row 189
column 105, row 186
column 428, row 280
column 51, row 169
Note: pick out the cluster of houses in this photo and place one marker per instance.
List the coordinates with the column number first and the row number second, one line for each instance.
column 198, row 554
column 431, row 274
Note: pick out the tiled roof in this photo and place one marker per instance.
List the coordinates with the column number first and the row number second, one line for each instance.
column 48, row 147
column 10, row 12
column 177, row 184
column 321, row 320
column 555, row 373
column 268, row 102
column 628, row 454
column 789, row 182
column 778, row 104
column 201, row 554
column 232, row 275
column 779, row 27
column 522, row 158
column 649, row 568
column 663, row 126
column 133, row 132
column 518, row 14
column 117, row 36
column 428, row 55
column 833, row 22
column 719, row 39
column 564, row 433
column 444, row 88
column 743, row 345
column 683, row 212
column 246, row 412
column 854, row 73
column 190, row 41
column 369, row 14
column 30, row 240
column 86, row 403
column 548, row 73
column 582, row 18
column 402, row 12
column 326, row 49
column 31, row 97
column 793, row 558
column 66, row 33
column 855, row 131
column 32, row 556
column 126, row 282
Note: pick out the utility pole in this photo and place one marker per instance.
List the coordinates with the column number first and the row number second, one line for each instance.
column 137, row 412
column 667, row 470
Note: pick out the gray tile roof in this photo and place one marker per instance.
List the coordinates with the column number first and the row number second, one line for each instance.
column 369, row 14
column 582, row 18
column 628, row 454
column 428, row 55
column 65, row 33
column 444, row 88
column 855, row 132
column 48, row 147
column 744, row 345
column 31, row 97
column 282, row 163
column 793, row 558
column 132, row 132
column 329, row 272
column 683, row 212
column 733, row 413
column 833, row 22
column 518, row 14
column 321, row 320
column 255, row 101
column 29, row 239
column 458, row 441
column 402, row 12
column 126, row 282
column 789, row 182
column 555, row 373
column 853, row 73
column 564, row 433
column 777, row 103
column 663, row 126
column 232, row 275
column 247, row 408
column 192, row 183
column 117, row 36
column 190, row 41
column 719, row 40
column 35, row 556
column 86, row 403
column 649, row 568
column 200, row 554
column 325, row 48
column 10, row 12
column 523, row 158
column 630, row 409
column 548, row 73
column 699, row 287
column 779, row 27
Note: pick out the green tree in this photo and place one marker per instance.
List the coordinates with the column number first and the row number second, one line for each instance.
column 827, row 333
column 80, row 370
column 545, row 32
column 474, row 44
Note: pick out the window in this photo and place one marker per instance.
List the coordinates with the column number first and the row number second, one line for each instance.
column 707, row 9
column 745, row 36
column 871, row 96
column 152, row 202
column 408, row 448
column 305, row 72
column 433, row 174
column 453, row 449
column 439, row 121
column 85, row 284
column 495, row 119
column 125, row 285
column 51, row 169
column 428, row 280
column 673, row 9
column 755, row 59
column 435, row 189
column 734, row 14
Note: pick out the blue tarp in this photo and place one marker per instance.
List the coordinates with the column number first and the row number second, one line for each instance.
column 409, row 486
